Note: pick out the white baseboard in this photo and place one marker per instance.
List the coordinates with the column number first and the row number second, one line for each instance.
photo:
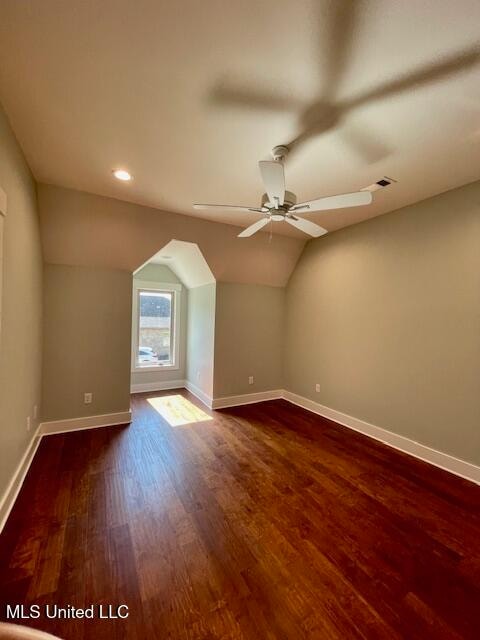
column 198, row 393
column 157, row 386
column 445, row 461
column 87, row 422
column 8, row 499
column 47, row 429
column 246, row 398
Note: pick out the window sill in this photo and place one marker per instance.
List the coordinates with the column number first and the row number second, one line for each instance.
column 158, row 368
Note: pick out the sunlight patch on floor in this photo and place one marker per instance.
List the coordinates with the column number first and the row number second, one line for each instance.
column 178, row 411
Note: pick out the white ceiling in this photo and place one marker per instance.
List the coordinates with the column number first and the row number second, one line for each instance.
column 189, row 95
column 187, row 262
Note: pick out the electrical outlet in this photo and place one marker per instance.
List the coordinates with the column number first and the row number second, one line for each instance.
column 35, row 412
column 250, row 379
column 87, row 398
column 29, row 423
column 317, row 388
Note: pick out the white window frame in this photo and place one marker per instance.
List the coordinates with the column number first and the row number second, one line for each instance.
column 166, row 287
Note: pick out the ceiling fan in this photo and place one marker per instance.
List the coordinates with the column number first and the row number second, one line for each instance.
column 279, row 205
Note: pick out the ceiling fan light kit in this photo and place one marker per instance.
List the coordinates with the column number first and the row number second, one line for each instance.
column 279, row 205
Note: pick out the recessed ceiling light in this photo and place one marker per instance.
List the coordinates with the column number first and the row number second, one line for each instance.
column 121, row 174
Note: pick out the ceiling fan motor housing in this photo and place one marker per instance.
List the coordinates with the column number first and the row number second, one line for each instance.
column 289, row 200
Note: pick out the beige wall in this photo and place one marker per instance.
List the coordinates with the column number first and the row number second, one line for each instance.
column 88, row 230
column 87, row 330
column 249, row 338
column 201, row 337
column 385, row 315
column 161, row 273
column 84, row 229
column 21, row 326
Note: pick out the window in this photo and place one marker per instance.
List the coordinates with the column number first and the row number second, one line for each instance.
column 155, row 325
column 155, row 328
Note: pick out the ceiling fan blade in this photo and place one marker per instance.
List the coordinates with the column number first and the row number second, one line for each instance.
column 342, row 201
column 273, row 176
column 227, row 94
column 307, row 227
column 337, row 47
column 253, row 228
column 432, row 72
column 229, row 207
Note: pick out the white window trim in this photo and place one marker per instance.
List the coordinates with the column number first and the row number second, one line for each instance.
column 176, row 289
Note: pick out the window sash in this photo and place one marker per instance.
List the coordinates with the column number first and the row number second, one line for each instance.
column 175, row 290
column 171, row 360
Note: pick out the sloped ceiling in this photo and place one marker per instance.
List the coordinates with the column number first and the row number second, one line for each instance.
column 189, row 95
column 83, row 229
column 186, row 261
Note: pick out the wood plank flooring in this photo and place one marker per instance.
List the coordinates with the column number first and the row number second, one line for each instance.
column 265, row 522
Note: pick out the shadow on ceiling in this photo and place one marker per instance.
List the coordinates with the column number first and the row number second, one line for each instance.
column 328, row 111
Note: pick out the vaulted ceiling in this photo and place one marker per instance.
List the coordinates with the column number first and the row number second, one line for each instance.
column 190, row 95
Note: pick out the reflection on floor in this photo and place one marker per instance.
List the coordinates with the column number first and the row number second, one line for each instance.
column 177, row 410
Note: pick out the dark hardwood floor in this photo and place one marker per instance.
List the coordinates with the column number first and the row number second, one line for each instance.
column 263, row 522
